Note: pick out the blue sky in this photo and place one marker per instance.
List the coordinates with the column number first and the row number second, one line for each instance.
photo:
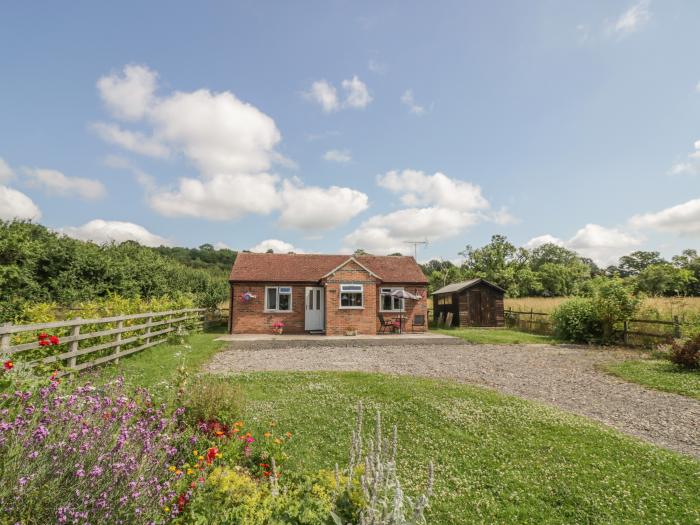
column 328, row 126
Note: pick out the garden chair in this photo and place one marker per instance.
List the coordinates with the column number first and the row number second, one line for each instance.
column 448, row 319
column 384, row 324
column 418, row 320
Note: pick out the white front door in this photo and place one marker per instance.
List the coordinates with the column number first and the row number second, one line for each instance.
column 313, row 319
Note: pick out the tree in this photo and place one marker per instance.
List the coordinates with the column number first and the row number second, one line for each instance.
column 664, row 279
column 635, row 262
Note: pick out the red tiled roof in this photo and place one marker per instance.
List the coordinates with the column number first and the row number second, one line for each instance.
column 280, row 267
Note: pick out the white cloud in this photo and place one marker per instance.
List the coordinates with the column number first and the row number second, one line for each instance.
column 418, row 189
column 439, row 207
column 101, row 231
column 221, row 197
column 691, row 167
column 315, row 209
column 408, row 100
column 218, row 132
column 634, row 19
column 276, row 246
column 543, row 239
column 681, row 219
column 129, row 96
column 130, row 140
column 357, row 93
column 603, row 245
column 6, row 173
column 16, row 205
column 222, row 246
column 337, row 155
column 325, row 95
column 232, row 145
column 697, row 87
column 388, row 233
column 53, row 181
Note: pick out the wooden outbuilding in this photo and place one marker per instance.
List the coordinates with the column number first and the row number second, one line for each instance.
column 476, row 302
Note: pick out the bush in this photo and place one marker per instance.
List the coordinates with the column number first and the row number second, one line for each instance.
column 576, row 321
column 86, row 455
column 209, row 398
column 613, row 302
column 686, row 353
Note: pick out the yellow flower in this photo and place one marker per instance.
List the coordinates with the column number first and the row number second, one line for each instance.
column 190, row 471
column 201, row 458
column 172, row 468
column 267, row 434
column 195, row 453
column 166, row 509
column 278, row 441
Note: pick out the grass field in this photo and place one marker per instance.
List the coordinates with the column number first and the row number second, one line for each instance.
column 498, row 459
column 666, row 307
column 659, row 374
column 495, row 335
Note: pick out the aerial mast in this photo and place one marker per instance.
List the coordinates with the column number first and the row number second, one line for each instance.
column 415, row 246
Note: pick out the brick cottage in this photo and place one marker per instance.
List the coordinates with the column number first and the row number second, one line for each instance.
column 329, row 294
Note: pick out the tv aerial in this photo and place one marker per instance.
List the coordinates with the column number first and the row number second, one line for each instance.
column 415, row 246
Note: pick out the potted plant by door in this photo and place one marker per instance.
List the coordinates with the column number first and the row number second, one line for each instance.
column 278, row 327
column 350, row 330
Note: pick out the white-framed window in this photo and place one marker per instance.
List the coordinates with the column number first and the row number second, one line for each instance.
column 389, row 303
column 278, row 298
column 352, row 296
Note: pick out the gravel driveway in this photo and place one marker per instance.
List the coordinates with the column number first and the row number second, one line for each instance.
column 563, row 376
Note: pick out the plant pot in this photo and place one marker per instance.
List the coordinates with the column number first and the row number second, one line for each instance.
column 350, row 332
column 278, row 331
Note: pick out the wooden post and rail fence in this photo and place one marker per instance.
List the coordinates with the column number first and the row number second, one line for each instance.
column 540, row 322
column 108, row 338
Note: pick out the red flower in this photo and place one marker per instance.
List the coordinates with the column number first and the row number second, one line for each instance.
column 211, row 454
column 54, row 340
column 8, row 365
column 44, row 342
column 181, row 501
column 43, row 335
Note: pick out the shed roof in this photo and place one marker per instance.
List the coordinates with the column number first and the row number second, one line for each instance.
column 283, row 267
column 459, row 287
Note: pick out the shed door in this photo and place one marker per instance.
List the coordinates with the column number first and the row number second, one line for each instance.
column 476, row 308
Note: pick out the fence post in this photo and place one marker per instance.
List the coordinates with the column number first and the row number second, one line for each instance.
column 148, row 329
column 676, row 327
column 625, row 335
column 531, row 318
column 118, row 348
column 5, row 340
column 73, row 347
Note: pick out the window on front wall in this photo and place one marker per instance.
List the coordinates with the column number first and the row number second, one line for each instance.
column 351, row 296
column 278, row 298
column 389, row 303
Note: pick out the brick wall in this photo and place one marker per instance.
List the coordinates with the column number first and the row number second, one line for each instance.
column 250, row 317
column 411, row 307
column 338, row 320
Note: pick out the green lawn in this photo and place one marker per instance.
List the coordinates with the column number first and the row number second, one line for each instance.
column 494, row 335
column 659, row 374
column 498, row 459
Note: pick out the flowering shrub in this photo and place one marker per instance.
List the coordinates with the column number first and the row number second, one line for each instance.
column 686, row 353
column 87, row 455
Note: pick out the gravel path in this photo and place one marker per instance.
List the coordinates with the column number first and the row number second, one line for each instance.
column 563, row 376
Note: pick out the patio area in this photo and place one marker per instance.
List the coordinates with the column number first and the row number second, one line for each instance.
column 388, row 337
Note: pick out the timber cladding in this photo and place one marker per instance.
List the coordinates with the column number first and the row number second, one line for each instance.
column 472, row 303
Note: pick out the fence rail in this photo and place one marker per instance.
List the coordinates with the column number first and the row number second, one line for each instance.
column 625, row 332
column 122, row 337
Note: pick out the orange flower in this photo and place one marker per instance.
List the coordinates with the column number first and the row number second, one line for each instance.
column 8, row 365
column 288, row 434
column 267, row 434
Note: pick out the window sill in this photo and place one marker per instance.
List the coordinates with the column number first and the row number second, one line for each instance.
column 392, row 311
column 351, row 308
column 278, row 311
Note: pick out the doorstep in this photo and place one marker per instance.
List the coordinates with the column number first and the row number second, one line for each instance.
column 319, row 337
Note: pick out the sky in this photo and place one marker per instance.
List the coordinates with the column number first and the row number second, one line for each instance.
column 329, row 126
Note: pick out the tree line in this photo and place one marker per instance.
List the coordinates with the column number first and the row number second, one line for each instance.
column 40, row 265
column 551, row 270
